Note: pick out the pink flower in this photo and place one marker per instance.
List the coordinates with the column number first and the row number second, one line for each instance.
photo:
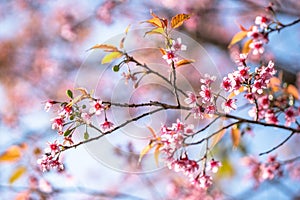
column 205, row 93
column 210, row 110
column 258, row 86
column 49, row 104
column 290, row 116
column 226, row 84
column 243, row 72
column 57, row 123
column 191, row 99
column 214, row 166
column 53, row 148
column 241, row 60
column 202, row 181
column 207, row 80
column 270, row 117
column 170, row 57
column 262, row 21
column 264, row 102
column 177, row 45
column 67, row 110
column 198, row 112
column 250, row 97
column 185, row 165
column 86, row 118
column 254, row 33
column 97, row 107
column 257, row 47
column 229, row 105
column 106, row 126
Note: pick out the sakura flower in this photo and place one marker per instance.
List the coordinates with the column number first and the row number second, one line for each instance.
column 170, row 57
column 49, row 104
column 270, row 117
column 202, row 181
column 198, row 112
column 53, row 148
column 185, row 165
column 177, row 45
column 241, row 60
column 47, row 162
column 67, row 110
column 229, row 105
column 226, row 84
column 250, row 96
column 258, row 86
column 86, row 118
column 97, row 107
column 262, row 21
column 210, row 110
column 254, row 33
column 290, row 116
column 214, row 166
column 191, row 99
column 106, row 126
column 206, row 94
column 257, row 47
column 243, row 72
column 207, row 80
column 57, row 123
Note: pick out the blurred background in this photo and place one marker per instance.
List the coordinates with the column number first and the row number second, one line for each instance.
column 43, row 45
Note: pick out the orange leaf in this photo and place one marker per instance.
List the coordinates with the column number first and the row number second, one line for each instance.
column 156, row 154
column 246, row 47
column 152, row 132
column 178, row 20
column 146, row 150
column 17, row 174
column 242, row 27
column 155, row 21
column 158, row 30
column 291, row 89
column 105, row 47
column 217, row 138
column 236, row 92
column 183, row 62
column 237, row 37
column 12, row 154
column 111, row 56
column 163, row 52
column 235, row 135
column 274, row 84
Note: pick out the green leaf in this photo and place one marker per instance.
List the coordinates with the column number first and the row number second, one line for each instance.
column 69, row 94
column 178, row 20
column 67, row 132
column 86, row 136
column 17, row 173
column 237, row 37
column 111, row 56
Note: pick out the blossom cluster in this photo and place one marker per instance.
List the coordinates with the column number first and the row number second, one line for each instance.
column 171, row 141
column 258, row 34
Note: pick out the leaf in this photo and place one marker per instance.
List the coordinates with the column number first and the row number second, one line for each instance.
column 235, row 135
column 83, row 91
column 291, row 89
column 105, row 47
column 67, row 132
column 152, row 132
column 246, row 48
column 217, row 138
column 69, row 94
column 226, row 170
column 146, row 150
column 274, row 84
column 116, row 68
column 155, row 21
column 184, row 62
column 111, row 56
column 237, row 37
column 86, row 136
column 178, row 20
column 156, row 154
column 17, row 174
column 163, row 52
column 242, row 28
column 236, row 92
column 158, row 30
column 12, row 154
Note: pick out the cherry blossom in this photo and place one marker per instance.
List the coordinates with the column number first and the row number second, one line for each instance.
column 57, row 123
column 106, row 126
column 49, row 104
column 191, row 100
column 206, row 94
column 170, row 57
column 229, row 105
column 177, row 45
column 262, row 21
column 257, row 47
column 214, row 166
column 97, row 107
column 86, row 117
column 290, row 116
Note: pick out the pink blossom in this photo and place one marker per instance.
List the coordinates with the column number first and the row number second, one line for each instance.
column 97, row 107
column 270, row 117
column 226, row 84
column 49, row 104
column 86, row 118
column 290, row 116
column 214, row 166
column 229, row 105
column 177, row 45
column 202, row 181
column 67, row 110
column 257, row 47
column 258, row 86
column 57, row 123
column 53, row 148
column 250, row 96
column 243, row 72
column 254, row 33
column 206, row 94
column 191, row 99
column 264, row 101
column 262, row 21
column 106, row 126
column 185, row 165
column 207, row 80
column 241, row 60
column 47, row 162
column 170, row 57
column 210, row 110
column 198, row 112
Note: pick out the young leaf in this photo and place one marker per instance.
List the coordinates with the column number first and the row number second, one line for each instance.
column 178, row 20
column 152, row 132
column 67, row 132
column 145, row 151
column 12, row 154
column 83, row 91
column 69, row 94
column 246, row 47
column 111, row 56
column 158, row 30
column 237, row 37
column 105, row 47
column 17, row 174
column 155, row 21
column 156, row 154
column 184, row 62
column 86, row 136
column 235, row 135
column 291, row 89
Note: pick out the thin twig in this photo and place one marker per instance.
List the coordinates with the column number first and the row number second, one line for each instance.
column 277, row 146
